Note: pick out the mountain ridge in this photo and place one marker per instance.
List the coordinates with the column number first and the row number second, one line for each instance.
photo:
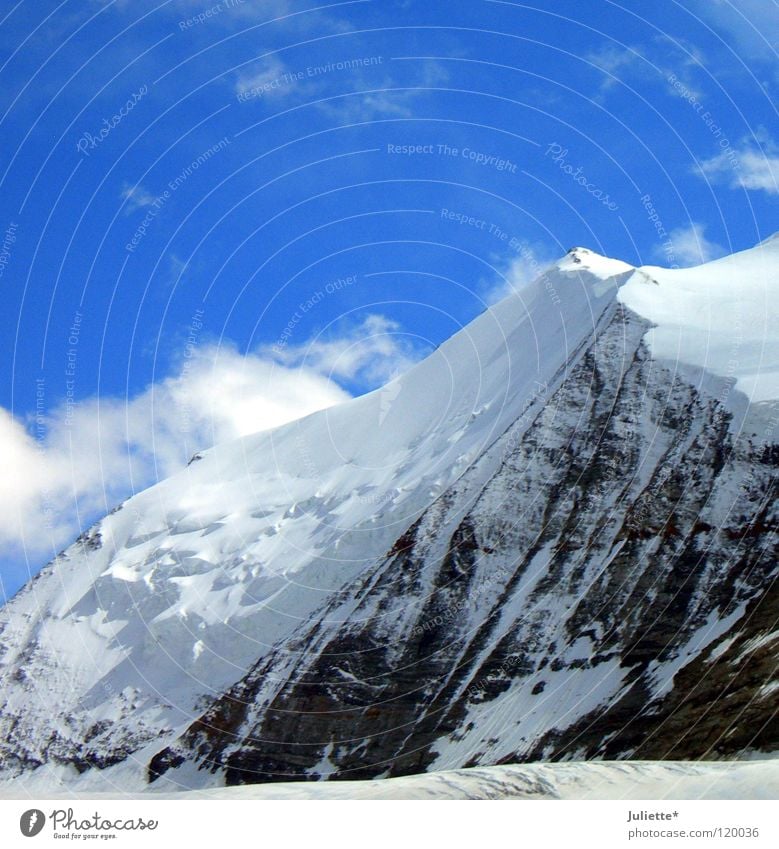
column 183, row 631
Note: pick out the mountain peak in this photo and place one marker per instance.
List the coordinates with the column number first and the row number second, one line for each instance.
column 500, row 510
column 583, row 259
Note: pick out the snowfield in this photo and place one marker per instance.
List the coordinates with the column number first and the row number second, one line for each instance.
column 584, row 781
column 721, row 317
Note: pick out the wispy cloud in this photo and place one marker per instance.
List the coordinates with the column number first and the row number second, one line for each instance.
column 689, row 246
column 528, row 264
column 369, row 96
column 751, row 167
column 349, row 89
column 366, row 105
column 193, row 15
column 752, row 24
column 654, row 62
column 268, row 78
column 136, row 197
column 366, row 354
column 615, row 63
column 177, row 268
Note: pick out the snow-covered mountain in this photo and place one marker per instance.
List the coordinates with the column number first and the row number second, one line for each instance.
column 554, row 538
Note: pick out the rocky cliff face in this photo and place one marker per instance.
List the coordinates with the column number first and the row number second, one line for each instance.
column 574, row 556
column 606, row 592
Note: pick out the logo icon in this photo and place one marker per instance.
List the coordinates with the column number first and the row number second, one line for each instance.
column 31, row 822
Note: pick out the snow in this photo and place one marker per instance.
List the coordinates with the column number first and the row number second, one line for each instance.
column 200, row 576
column 255, row 536
column 624, row 780
column 721, row 316
column 588, row 781
column 676, row 780
column 753, row 645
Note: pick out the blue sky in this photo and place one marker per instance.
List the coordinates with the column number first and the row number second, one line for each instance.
column 217, row 216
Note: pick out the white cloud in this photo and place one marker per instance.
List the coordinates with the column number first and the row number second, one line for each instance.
column 177, row 270
column 300, row 18
column 83, row 461
column 111, row 447
column 351, row 89
column 748, row 167
column 613, row 61
column 759, row 172
column 752, row 24
column 368, row 354
column 136, row 197
column 656, row 61
column 266, row 78
column 364, row 106
column 527, row 265
column 752, row 165
column 689, row 246
column 24, row 479
column 386, row 98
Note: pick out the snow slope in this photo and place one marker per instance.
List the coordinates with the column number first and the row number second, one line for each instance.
column 721, row 317
column 625, row 780
column 602, row 780
column 173, row 596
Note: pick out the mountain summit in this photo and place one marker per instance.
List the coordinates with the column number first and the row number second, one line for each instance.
column 554, row 538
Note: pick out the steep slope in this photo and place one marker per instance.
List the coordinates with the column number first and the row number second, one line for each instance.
column 542, row 606
column 555, row 537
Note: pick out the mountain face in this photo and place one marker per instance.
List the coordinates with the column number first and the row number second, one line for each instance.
column 555, row 538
